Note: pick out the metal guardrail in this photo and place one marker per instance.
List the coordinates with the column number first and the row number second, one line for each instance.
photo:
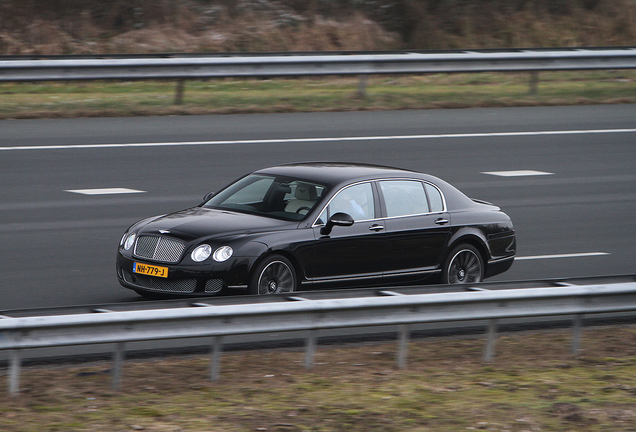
column 141, row 304
column 291, row 53
column 315, row 64
column 392, row 308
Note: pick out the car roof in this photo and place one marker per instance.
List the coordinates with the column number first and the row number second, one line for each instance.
column 334, row 173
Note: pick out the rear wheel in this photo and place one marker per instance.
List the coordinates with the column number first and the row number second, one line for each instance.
column 274, row 275
column 464, row 265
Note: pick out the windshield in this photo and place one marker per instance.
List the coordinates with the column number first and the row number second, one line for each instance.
column 276, row 197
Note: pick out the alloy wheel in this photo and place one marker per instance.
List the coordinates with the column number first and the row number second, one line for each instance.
column 276, row 277
column 465, row 267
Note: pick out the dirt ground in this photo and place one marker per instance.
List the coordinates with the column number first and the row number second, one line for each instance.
column 534, row 384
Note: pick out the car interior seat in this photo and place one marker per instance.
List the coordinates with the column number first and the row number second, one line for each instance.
column 305, row 196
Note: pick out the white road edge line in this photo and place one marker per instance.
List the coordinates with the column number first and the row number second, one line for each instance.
column 573, row 255
column 312, row 140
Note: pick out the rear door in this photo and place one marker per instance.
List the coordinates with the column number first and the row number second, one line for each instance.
column 417, row 228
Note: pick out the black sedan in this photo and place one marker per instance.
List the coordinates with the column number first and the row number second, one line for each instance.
column 315, row 225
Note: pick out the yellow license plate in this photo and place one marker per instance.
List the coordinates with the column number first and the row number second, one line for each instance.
column 150, row 270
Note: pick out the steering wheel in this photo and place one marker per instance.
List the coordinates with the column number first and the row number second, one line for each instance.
column 303, row 208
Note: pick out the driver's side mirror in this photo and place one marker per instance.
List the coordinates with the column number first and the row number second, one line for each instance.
column 338, row 219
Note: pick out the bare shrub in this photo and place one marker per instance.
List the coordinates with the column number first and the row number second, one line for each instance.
column 253, row 33
column 150, row 26
column 520, row 23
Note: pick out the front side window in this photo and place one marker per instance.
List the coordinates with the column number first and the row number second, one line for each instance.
column 357, row 201
column 404, row 197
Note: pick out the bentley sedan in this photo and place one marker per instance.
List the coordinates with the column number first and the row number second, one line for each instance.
column 318, row 225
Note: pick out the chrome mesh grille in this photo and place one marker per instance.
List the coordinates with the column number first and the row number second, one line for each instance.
column 160, row 284
column 164, row 249
column 213, row 285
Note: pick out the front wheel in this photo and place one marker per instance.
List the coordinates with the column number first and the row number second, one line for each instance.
column 274, row 275
column 464, row 265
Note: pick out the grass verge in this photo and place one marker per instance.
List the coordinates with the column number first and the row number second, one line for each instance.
column 226, row 96
column 534, row 384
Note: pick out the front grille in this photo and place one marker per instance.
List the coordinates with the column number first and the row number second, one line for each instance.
column 213, row 285
column 164, row 249
column 160, row 284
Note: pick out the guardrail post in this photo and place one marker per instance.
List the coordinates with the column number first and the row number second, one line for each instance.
column 178, row 97
column 491, row 340
column 362, row 87
column 118, row 361
column 215, row 358
column 404, row 333
column 15, row 364
column 576, row 334
column 534, row 83
column 310, row 349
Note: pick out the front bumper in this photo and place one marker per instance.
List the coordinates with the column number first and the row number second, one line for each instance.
column 185, row 280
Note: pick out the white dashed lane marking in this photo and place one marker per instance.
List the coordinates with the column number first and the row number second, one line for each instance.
column 518, row 173
column 105, row 191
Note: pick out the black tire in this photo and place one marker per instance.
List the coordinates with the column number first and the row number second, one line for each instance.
column 275, row 274
column 463, row 265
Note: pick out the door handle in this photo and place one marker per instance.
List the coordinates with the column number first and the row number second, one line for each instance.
column 376, row 227
column 441, row 221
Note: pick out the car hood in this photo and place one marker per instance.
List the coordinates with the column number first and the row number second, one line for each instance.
column 197, row 223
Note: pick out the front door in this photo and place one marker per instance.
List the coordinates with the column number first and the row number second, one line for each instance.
column 350, row 255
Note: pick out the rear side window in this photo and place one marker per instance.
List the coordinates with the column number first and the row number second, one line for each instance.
column 434, row 198
column 404, row 197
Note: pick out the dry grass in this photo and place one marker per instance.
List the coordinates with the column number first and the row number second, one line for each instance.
column 52, row 100
column 145, row 26
column 533, row 385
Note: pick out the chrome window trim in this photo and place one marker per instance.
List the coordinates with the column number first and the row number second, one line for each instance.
column 413, row 215
column 444, row 209
column 316, row 225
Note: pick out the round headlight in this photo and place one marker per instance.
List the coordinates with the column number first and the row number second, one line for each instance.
column 223, row 253
column 201, row 253
column 130, row 241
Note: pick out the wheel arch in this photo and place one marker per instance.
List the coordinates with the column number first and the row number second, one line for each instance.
column 290, row 256
column 473, row 238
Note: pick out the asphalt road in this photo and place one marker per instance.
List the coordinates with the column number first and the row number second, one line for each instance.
column 57, row 248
